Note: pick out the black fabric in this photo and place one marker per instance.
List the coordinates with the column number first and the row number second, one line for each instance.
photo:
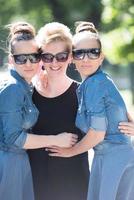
column 58, row 178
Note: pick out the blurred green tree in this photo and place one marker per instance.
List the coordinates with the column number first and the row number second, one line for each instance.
column 118, row 23
column 42, row 11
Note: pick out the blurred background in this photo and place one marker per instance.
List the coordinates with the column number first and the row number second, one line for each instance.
column 114, row 20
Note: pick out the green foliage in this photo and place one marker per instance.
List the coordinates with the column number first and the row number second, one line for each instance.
column 114, row 18
column 7, row 9
column 118, row 23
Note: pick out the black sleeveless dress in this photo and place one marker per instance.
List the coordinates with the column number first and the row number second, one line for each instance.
column 58, row 178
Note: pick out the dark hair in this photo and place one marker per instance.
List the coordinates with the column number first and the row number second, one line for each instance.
column 19, row 31
column 88, row 27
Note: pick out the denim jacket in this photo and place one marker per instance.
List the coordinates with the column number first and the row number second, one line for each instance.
column 17, row 111
column 101, row 107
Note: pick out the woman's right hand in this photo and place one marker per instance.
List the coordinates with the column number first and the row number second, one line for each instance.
column 65, row 139
column 127, row 127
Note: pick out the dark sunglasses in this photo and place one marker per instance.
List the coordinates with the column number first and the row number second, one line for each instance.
column 92, row 53
column 21, row 59
column 60, row 57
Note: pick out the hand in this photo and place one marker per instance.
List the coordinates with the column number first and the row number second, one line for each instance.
column 42, row 80
column 66, row 139
column 127, row 127
column 60, row 152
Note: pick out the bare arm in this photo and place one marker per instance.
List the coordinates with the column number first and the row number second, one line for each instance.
column 91, row 139
column 39, row 141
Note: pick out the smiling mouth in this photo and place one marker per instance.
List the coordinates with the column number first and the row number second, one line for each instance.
column 55, row 68
column 30, row 70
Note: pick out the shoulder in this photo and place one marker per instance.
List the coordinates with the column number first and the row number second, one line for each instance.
column 99, row 79
column 10, row 86
column 11, row 93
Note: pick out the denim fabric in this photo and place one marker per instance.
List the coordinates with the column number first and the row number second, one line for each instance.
column 17, row 115
column 101, row 107
column 17, row 112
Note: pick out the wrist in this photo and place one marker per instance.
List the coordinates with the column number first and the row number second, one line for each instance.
column 50, row 140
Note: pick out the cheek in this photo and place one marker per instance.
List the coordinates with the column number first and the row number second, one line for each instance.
column 100, row 62
column 37, row 67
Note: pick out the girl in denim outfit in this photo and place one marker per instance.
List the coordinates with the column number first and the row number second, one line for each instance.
column 101, row 108
column 18, row 114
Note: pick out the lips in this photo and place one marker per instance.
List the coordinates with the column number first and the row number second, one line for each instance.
column 29, row 70
column 55, row 68
column 86, row 66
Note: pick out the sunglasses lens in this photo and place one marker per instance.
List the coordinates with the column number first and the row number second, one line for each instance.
column 78, row 54
column 47, row 57
column 93, row 53
column 20, row 59
column 62, row 57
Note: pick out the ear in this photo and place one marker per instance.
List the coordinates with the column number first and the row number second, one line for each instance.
column 10, row 59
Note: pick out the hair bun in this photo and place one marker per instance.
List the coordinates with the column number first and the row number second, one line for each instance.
column 85, row 26
column 21, row 28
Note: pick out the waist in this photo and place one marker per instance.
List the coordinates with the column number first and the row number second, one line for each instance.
column 11, row 149
column 106, row 146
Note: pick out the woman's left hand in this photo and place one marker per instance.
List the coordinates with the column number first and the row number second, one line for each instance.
column 55, row 151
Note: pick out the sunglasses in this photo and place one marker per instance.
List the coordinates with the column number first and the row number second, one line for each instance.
column 60, row 57
column 92, row 53
column 21, row 59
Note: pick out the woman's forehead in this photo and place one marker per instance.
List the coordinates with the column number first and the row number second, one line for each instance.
column 86, row 42
column 55, row 46
column 25, row 46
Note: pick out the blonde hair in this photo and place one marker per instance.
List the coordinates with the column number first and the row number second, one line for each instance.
column 85, row 26
column 55, row 31
column 83, row 29
column 19, row 31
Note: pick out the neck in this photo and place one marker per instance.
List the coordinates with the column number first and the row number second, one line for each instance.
column 56, row 86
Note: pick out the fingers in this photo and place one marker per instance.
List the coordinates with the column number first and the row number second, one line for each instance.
column 73, row 136
column 54, row 150
column 127, row 129
column 72, row 140
column 55, row 155
column 126, row 124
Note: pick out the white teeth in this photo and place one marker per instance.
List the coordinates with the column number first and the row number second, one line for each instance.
column 55, row 69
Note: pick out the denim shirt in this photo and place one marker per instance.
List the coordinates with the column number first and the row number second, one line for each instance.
column 101, row 107
column 17, row 111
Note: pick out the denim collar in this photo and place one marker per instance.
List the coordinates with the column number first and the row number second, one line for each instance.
column 28, row 87
column 99, row 70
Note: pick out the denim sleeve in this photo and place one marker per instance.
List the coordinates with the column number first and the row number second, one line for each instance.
column 96, row 95
column 11, row 104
